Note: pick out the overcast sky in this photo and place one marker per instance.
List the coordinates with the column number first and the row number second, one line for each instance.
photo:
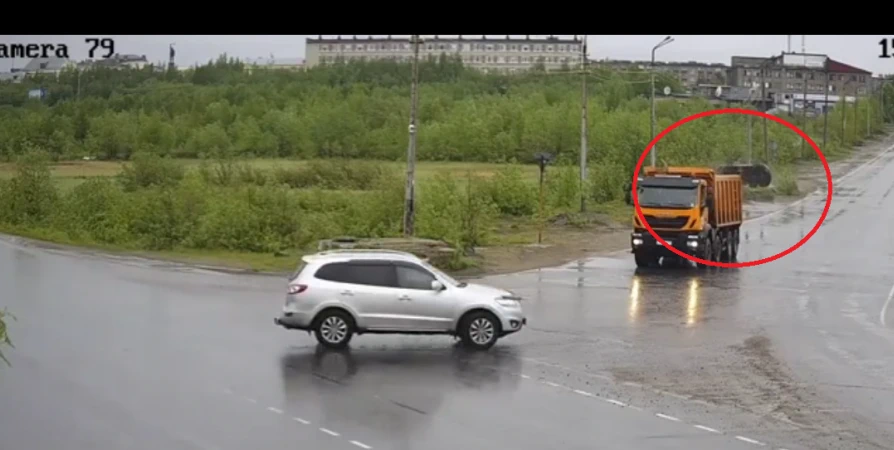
column 860, row 51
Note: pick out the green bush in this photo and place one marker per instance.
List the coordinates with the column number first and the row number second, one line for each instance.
column 332, row 174
column 459, row 212
column 151, row 170
column 785, row 182
column 94, row 210
column 511, row 193
column 30, row 197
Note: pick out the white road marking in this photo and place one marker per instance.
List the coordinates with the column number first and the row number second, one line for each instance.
column 276, row 410
column 327, row 431
column 665, row 416
column 615, row 402
column 578, row 391
column 361, row 444
column 525, row 376
column 631, row 383
column 298, row 419
column 885, row 308
column 709, row 429
column 550, row 383
column 228, row 391
column 749, row 440
column 250, row 400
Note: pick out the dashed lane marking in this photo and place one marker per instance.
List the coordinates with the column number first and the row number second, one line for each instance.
column 708, row 429
column 749, row 440
column 276, row 410
column 300, row 420
column 885, row 308
column 250, row 400
column 665, row 416
column 361, row 444
column 660, row 415
column 328, row 431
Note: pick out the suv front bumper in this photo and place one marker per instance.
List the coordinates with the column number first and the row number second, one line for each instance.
column 687, row 243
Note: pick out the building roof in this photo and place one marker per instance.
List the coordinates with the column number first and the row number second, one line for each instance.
column 840, row 67
column 831, row 64
column 51, row 63
column 622, row 62
column 436, row 38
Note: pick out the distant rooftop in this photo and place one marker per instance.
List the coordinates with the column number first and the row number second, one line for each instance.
column 275, row 61
column 51, row 64
column 624, row 62
column 437, row 38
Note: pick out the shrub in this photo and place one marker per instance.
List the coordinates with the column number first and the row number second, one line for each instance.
column 150, row 170
column 606, row 181
column 249, row 218
column 511, row 193
column 458, row 212
column 30, row 197
column 785, row 182
column 94, row 209
column 563, row 188
column 162, row 218
column 332, row 174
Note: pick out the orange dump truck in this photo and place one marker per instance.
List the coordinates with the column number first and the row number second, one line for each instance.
column 695, row 209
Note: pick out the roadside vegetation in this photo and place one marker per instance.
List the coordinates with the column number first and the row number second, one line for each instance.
column 217, row 164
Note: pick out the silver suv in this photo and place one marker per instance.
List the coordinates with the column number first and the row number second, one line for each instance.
column 339, row 293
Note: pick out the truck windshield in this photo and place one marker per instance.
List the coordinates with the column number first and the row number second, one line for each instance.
column 667, row 197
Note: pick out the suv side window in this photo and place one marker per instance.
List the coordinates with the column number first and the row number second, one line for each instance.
column 338, row 272
column 413, row 277
column 373, row 273
column 370, row 273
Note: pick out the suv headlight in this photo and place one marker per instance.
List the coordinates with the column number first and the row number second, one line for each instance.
column 510, row 300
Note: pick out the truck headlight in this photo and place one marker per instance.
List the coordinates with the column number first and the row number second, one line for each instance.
column 637, row 241
column 692, row 244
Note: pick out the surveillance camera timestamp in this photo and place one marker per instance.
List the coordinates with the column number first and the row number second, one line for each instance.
column 887, row 46
column 97, row 48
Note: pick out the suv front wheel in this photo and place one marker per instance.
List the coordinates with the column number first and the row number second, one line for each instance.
column 479, row 330
column 334, row 329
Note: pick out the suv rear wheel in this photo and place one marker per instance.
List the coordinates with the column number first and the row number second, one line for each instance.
column 334, row 329
column 480, row 330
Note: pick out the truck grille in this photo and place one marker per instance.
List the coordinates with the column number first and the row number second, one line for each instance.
column 667, row 222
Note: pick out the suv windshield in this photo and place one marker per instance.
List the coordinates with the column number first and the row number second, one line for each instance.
column 667, row 197
column 442, row 275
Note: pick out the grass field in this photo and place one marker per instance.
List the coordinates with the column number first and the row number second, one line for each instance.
column 71, row 173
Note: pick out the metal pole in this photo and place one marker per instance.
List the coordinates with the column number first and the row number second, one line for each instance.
column 803, row 115
column 583, row 127
column 856, row 115
column 843, row 112
column 869, row 114
column 750, row 140
column 409, row 208
column 652, row 120
column 826, row 111
column 764, row 103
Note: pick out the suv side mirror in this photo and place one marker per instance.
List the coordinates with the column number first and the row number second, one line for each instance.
column 437, row 285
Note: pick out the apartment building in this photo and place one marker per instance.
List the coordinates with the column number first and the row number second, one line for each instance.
column 487, row 53
column 788, row 73
column 691, row 74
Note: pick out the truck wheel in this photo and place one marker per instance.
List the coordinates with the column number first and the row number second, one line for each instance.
column 718, row 246
column 707, row 253
column 734, row 246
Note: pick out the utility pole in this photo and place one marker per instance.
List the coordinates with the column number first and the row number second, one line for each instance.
column 869, row 113
column 856, row 115
column 764, row 102
column 803, row 114
column 583, row 127
column 664, row 42
column 826, row 109
column 409, row 208
column 843, row 112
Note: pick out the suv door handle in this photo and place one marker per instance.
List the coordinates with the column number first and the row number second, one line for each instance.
column 404, row 298
column 350, row 293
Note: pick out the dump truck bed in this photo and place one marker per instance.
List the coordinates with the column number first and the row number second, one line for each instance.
column 728, row 200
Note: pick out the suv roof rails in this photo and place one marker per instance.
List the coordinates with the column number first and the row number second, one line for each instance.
column 339, row 251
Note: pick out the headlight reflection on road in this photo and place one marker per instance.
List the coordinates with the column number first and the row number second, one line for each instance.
column 634, row 299
column 692, row 306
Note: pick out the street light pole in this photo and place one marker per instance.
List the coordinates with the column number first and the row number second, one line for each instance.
column 664, row 42
column 409, row 208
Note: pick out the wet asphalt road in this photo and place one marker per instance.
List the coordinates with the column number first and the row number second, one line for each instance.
column 794, row 354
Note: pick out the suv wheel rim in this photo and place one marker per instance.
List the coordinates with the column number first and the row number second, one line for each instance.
column 334, row 329
column 481, row 331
